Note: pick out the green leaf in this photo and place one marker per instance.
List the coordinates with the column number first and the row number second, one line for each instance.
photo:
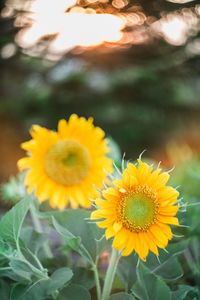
column 32, row 239
column 59, row 278
column 75, row 292
column 14, row 190
column 149, row 286
column 126, row 270
column 186, row 292
column 7, row 272
column 72, row 224
column 5, row 249
column 84, row 277
column 169, row 270
column 11, row 222
column 43, row 287
column 168, row 266
column 26, row 270
column 71, row 240
column 4, row 290
column 121, row 296
column 21, row 268
column 115, row 151
column 36, row 291
column 29, row 257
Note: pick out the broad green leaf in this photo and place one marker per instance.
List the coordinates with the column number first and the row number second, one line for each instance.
column 76, row 225
column 126, row 270
column 194, row 247
column 42, row 288
column 149, row 286
column 186, row 292
column 21, row 268
column 4, row 290
column 71, row 240
column 121, row 296
column 84, row 277
column 26, row 270
column 29, row 257
column 5, row 249
column 11, row 222
column 36, row 291
column 171, row 269
column 74, row 292
column 32, row 239
column 118, row 284
column 168, row 266
column 58, row 279
column 7, row 272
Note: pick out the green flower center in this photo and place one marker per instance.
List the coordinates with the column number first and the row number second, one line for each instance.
column 138, row 208
column 67, row 162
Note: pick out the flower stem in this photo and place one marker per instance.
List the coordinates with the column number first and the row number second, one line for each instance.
column 110, row 275
column 38, row 228
column 96, row 277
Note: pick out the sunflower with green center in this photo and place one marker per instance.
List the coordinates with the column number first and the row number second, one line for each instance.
column 137, row 211
column 66, row 166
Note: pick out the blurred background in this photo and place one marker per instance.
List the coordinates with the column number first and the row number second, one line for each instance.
column 132, row 65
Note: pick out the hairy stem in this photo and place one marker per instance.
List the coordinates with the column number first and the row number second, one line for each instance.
column 97, row 281
column 110, row 275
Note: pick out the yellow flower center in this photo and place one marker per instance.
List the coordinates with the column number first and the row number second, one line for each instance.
column 67, row 162
column 138, row 208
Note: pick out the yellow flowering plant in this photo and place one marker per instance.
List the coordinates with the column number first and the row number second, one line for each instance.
column 100, row 231
column 64, row 166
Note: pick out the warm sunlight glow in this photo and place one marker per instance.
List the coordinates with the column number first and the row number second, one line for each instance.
column 176, row 28
column 65, row 26
column 71, row 30
column 53, row 28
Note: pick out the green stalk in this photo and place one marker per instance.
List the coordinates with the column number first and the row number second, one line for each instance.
column 97, row 281
column 110, row 275
column 38, row 228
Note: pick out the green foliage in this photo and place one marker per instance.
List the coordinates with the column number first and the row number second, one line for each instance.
column 115, row 152
column 79, row 234
column 75, row 292
column 186, row 292
column 121, row 296
column 149, row 286
column 26, row 274
column 42, row 288
column 13, row 190
column 21, row 264
column 11, row 223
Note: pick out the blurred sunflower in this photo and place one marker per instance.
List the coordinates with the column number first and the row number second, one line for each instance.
column 65, row 166
column 137, row 211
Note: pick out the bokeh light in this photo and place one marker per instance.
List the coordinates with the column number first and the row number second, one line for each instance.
column 76, row 25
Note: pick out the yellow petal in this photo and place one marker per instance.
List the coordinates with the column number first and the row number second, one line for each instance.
column 98, row 214
column 117, row 226
column 159, row 235
column 168, row 210
column 109, row 233
column 130, row 245
column 166, row 230
column 150, row 243
column 120, row 240
column 168, row 220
